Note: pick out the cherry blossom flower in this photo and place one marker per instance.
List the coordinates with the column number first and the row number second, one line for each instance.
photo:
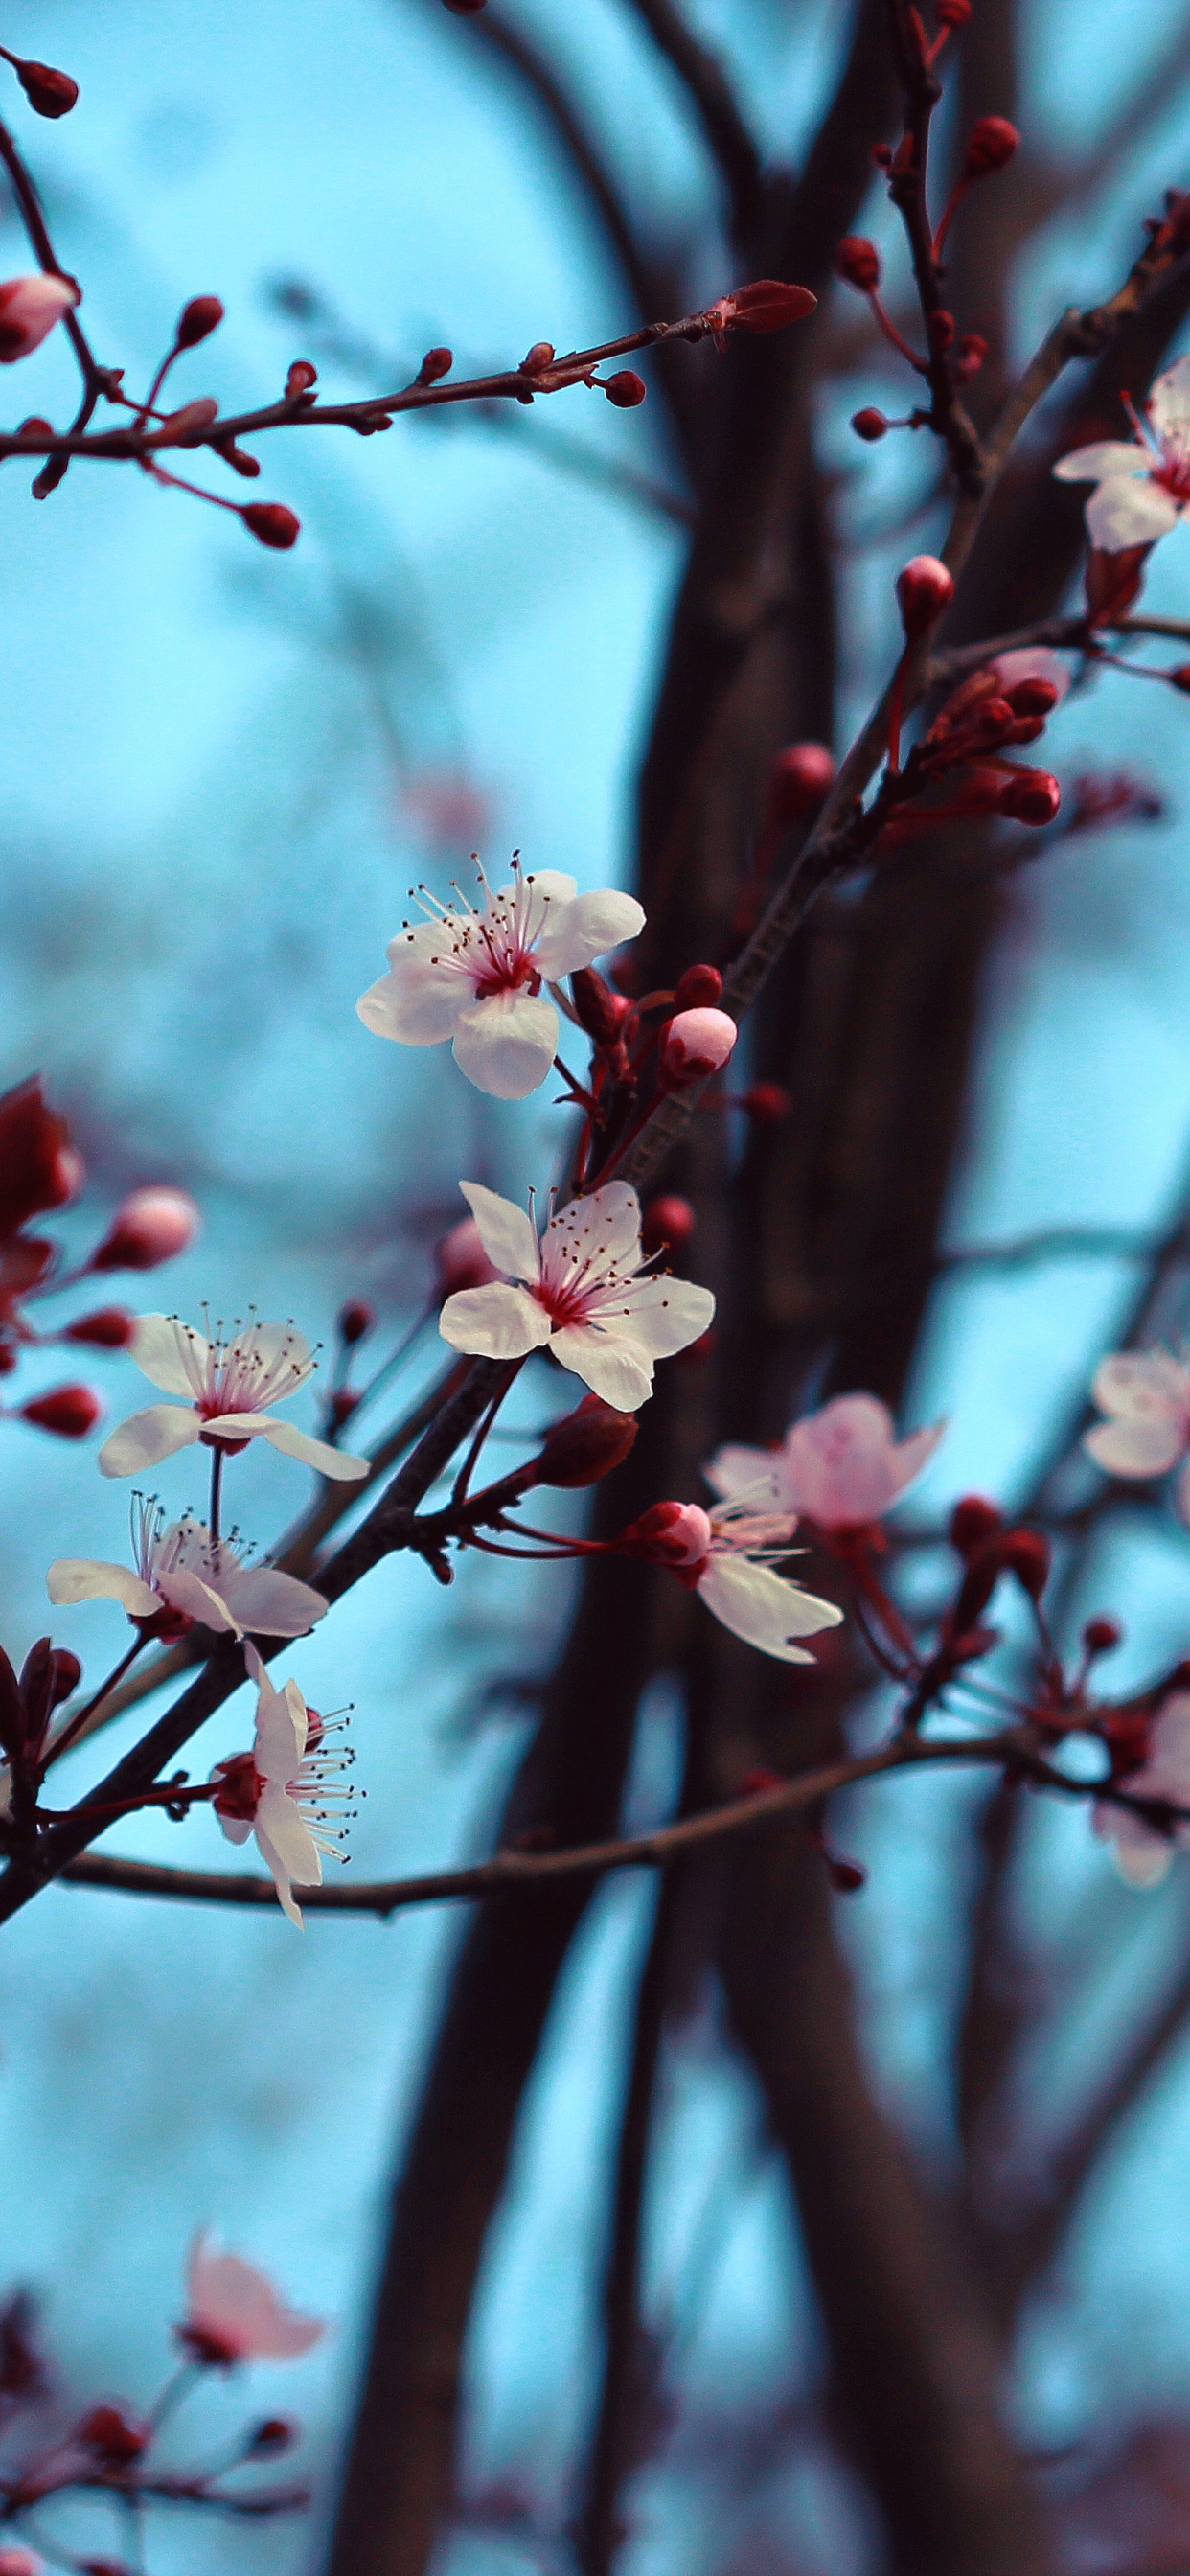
column 182, row 1574
column 1143, row 1853
column 842, row 1467
column 727, row 1556
column 285, row 1790
column 1142, row 484
column 234, row 2314
column 476, row 976
column 586, row 1294
column 229, row 1383
column 1146, row 1394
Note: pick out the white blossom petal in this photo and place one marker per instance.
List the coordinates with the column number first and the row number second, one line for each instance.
column 662, row 1316
column 1129, row 512
column 743, row 1475
column 585, row 930
column 84, row 1578
column 505, row 1230
column 506, row 1043
column 618, row 1370
column 1142, row 1857
column 1135, row 1448
column 338, row 1464
column 146, row 1438
column 169, row 1353
column 1142, row 1385
column 494, row 1323
column 1105, row 458
column 1169, row 404
column 597, row 1234
column 762, row 1608
column 187, row 1592
column 273, row 1603
column 417, row 1001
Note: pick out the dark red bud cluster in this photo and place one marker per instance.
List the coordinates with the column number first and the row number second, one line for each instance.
column 198, row 319
column 584, row 1446
column 39, row 1169
column 50, row 92
column 48, row 1676
column 989, row 1549
column 1032, row 797
column 857, row 262
column 973, row 349
column 990, row 146
column 271, row 523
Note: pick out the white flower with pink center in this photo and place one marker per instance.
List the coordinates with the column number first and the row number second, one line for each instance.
column 288, row 1791
column 728, row 1557
column 1146, row 1395
column 476, row 976
column 180, row 1574
column 841, row 1467
column 234, row 2314
column 1142, row 1852
column 230, row 1384
column 584, row 1292
column 1142, row 484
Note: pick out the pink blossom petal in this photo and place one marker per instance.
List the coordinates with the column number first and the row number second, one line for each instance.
column 495, row 1323
column 339, row 1464
column 235, row 2304
column 1129, row 512
column 1134, row 1448
column 83, row 1578
column 273, row 1603
column 146, row 1438
column 618, row 1370
column 1143, row 1385
column 1169, row 404
column 744, row 1475
column 505, row 1231
column 586, row 929
column 506, row 1043
column 417, row 1001
column 1107, row 457
column 168, row 1353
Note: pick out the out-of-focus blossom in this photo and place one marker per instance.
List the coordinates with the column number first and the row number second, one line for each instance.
column 1143, row 1853
column 234, row 2314
column 39, row 1168
column 728, row 1556
column 460, row 1259
column 230, row 1384
column 29, row 309
column 283, row 1792
column 476, row 976
column 183, row 1574
column 149, row 1226
column 1146, row 1395
column 841, row 1467
column 1142, row 485
column 584, row 1293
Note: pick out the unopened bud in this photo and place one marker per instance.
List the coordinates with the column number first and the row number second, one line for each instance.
column 669, row 1534
column 191, row 420
column 991, row 144
column 150, row 1226
column 1101, row 1635
column 435, row 364
column 110, row 1328
column 267, row 2441
column 601, row 1011
column 461, row 1261
column 302, row 374
column 1181, row 678
column 697, row 1043
column 924, row 590
column 35, row 427
column 765, row 1103
column 668, row 1222
column 767, row 305
column 941, row 328
column 585, row 1445
column 1028, row 1555
column 857, row 261
column 1032, row 697
column 1033, row 797
column 869, row 423
column 973, row 349
column 846, row 1877
column 68, row 1411
column 699, row 988
column 953, row 13
column 202, row 315
column 354, row 1320
column 51, row 93
column 800, row 781
column 538, row 358
column 29, row 309
column 113, row 2434
column 271, row 523
column 625, row 389
column 972, row 1521
column 344, row 1402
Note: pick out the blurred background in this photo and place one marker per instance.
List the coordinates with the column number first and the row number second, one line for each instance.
column 223, row 769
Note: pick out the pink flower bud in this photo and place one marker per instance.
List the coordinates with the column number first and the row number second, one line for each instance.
column 271, row 523
column 697, row 1043
column 766, row 305
column 202, row 315
column 800, row 781
column 869, row 423
column 20, row 2562
column 699, row 988
column 857, row 261
column 49, row 92
column 150, row 1226
column 584, row 1446
column 29, row 309
column 69, row 1411
column 924, row 589
column 460, row 1259
column 110, row 1328
column 354, row 1320
column 625, row 389
column 991, row 145
column 669, row 1534
column 667, row 1224
column 1032, row 797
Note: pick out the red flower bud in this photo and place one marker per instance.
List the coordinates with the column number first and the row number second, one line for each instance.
column 435, row 364
column 1100, row 1635
column 953, row 13
column 766, row 1103
column 941, row 329
column 767, row 305
column 1032, row 697
column 990, row 146
column 972, row 1521
column 343, row 1405
column 354, row 1320
column 584, row 1446
column 857, row 261
column 271, row 523
column 924, row 589
column 668, row 1534
column 601, row 1011
column 537, row 359
column 800, row 781
column 1027, row 1554
column 869, row 423
column 39, row 1168
column 199, row 318
column 973, row 349
column 70, row 1411
column 1032, row 797
column 51, row 93
column 150, row 1226
column 113, row 2435
column 110, row 1328
column 625, row 389
column 697, row 1043
column 667, row 1224
column 700, row 988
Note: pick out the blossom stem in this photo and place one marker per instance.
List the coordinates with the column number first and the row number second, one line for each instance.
column 177, row 2386
column 484, row 1425
column 74, row 1727
column 216, row 1492
column 180, row 1793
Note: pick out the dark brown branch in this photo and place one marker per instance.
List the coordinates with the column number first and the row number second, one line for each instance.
column 717, row 108
column 947, row 419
